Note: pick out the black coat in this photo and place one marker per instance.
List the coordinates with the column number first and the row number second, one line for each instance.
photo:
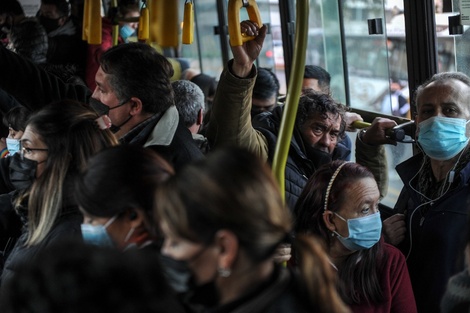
column 38, row 88
column 438, row 234
column 66, row 227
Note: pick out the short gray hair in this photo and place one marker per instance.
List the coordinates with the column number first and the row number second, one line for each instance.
column 189, row 100
column 442, row 77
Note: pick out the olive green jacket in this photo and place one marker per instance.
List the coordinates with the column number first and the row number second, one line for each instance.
column 231, row 124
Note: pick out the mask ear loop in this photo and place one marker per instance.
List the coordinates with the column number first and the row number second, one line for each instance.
column 449, row 177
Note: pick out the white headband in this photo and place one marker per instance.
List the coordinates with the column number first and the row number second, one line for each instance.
column 332, row 179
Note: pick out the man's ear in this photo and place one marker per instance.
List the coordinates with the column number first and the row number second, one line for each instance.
column 227, row 242
column 62, row 21
column 200, row 117
column 136, row 106
column 328, row 219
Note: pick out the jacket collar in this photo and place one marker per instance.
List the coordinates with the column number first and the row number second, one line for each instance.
column 409, row 168
column 164, row 131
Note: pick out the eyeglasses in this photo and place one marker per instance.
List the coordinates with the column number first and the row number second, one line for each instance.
column 27, row 151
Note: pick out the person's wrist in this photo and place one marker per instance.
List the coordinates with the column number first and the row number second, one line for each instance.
column 361, row 134
column 241, row 71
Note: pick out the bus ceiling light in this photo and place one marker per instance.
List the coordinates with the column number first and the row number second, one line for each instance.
column 375, row 26
column 455, row 27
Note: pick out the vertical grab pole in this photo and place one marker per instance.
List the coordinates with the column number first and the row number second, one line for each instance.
column 293, row 93
column 115, row 32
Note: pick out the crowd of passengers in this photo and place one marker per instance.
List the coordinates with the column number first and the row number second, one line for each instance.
column 132, row 198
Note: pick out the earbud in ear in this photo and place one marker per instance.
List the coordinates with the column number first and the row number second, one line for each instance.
column 451, row 176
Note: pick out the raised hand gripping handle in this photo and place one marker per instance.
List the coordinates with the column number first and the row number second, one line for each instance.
column 234, row 6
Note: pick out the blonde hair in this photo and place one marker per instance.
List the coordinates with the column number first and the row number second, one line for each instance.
column 69, row 130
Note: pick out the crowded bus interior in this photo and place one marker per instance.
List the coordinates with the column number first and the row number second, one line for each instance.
column 235, row 156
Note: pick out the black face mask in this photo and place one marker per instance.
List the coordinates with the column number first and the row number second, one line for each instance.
column 5, row 29
column 177, row 273
column 103, row 109
column 49, row 24
column 318, row 157
column 181, row 278
column 22, row 172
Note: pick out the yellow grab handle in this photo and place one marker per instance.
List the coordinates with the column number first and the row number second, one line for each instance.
column 360, row 124
column 92, row 22
column 234, row 6
column 144, row 23
column 293, row 93
column 167, row 23
column 86, row 8
column 188, row 23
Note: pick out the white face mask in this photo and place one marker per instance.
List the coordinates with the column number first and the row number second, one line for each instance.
column 13, row 145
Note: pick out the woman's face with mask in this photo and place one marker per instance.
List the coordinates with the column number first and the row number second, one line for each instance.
column 201, row 258
column 34, row 148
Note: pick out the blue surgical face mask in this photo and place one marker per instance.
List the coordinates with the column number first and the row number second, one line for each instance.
column 442, row 138
column 126, row 31
column 364, row 232
column 97, row 234
column 13, row 145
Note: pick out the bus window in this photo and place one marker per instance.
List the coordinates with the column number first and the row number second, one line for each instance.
column 361, row 65
column 204, row 54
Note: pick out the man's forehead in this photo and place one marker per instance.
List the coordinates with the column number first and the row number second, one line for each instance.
column 452, row 83
column 311, row 83
column 451, row 88
column 324, row 117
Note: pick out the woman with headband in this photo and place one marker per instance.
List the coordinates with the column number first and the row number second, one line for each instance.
column 340, row 205
column 224, row 218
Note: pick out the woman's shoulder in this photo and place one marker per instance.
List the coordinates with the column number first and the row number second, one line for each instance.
column 393, row 252
column 393, row 258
